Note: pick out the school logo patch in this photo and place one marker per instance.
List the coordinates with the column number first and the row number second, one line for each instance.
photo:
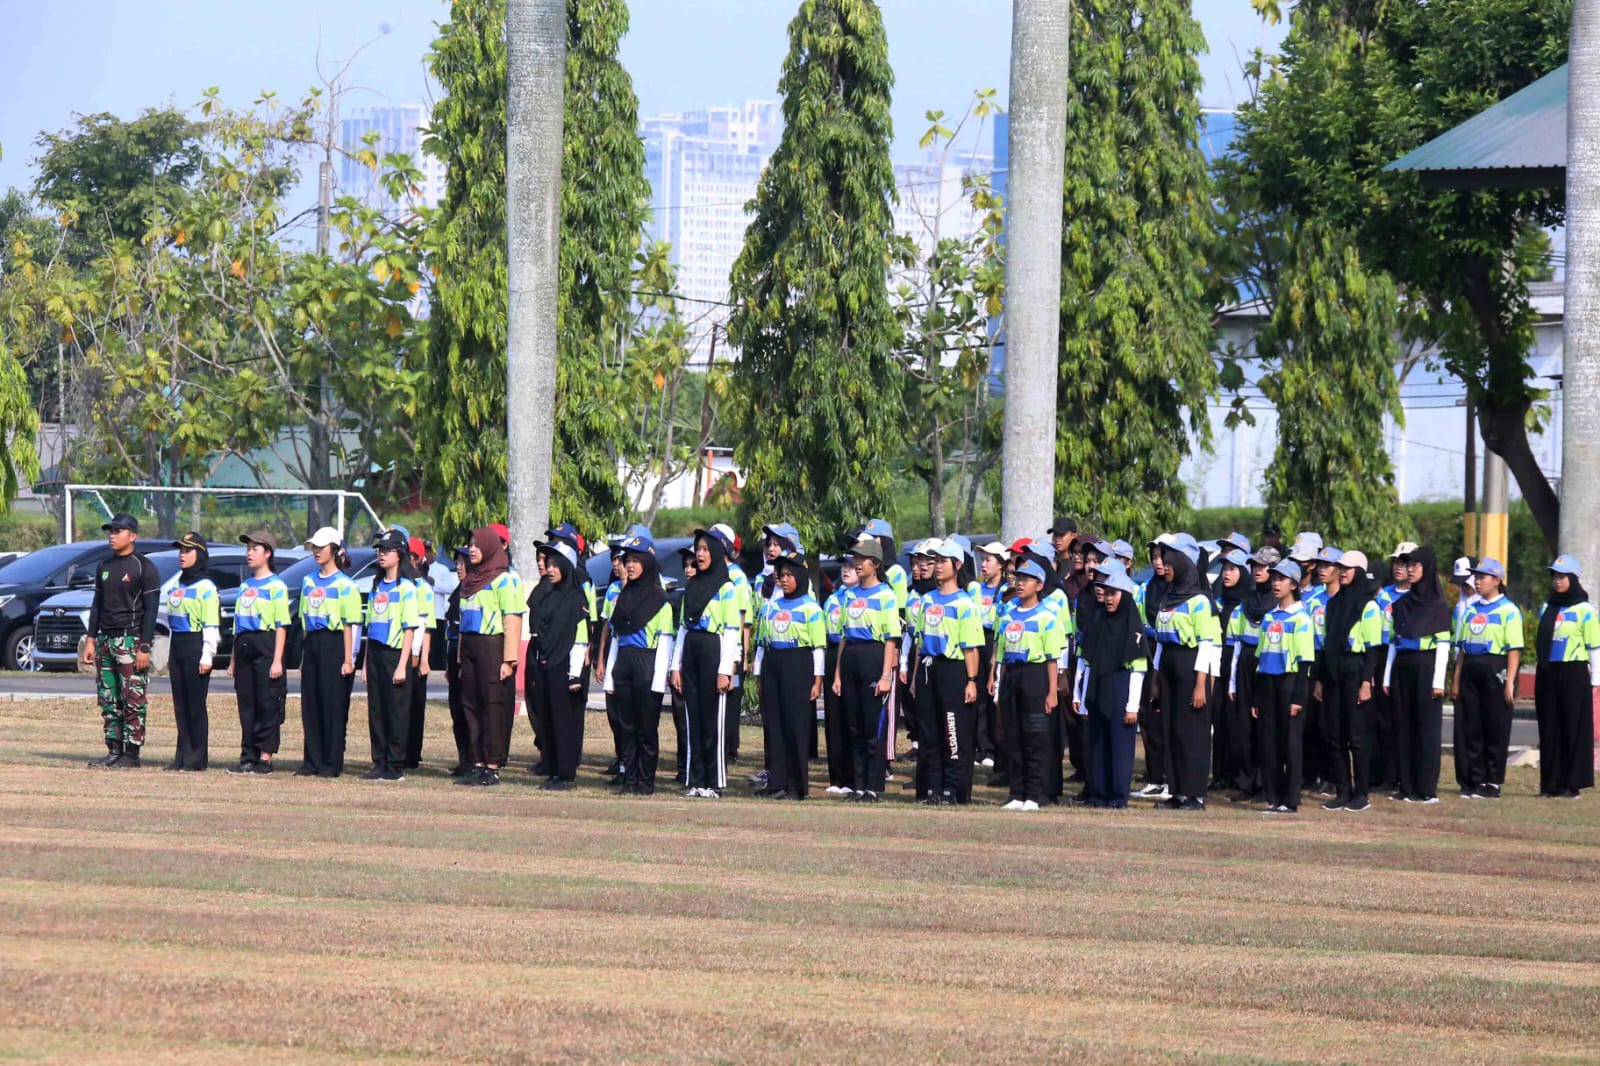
column 1275, row 633
column 1165, row 616
column 380, row 604
column 1478, row 623
column 933, row 616
column 1013, row 632
column 780, row 621
column 318, row 596
column 1319, row 615
column 857, row 608
column 247, row 599
column 175, row 598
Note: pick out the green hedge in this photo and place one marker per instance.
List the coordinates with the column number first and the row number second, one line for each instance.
column 22, row 531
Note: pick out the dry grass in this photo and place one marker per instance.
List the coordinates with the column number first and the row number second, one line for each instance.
column 204, row 918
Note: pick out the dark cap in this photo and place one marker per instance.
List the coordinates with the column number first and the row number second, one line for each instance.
column 261, row 537
column 866, row 548
column 121, row 520
column 1063, row 525
column 190, row 541
column 391, row 540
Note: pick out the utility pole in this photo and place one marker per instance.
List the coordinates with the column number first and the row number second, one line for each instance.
column 536, row 66
column 1580, row 381
column 1038, row 142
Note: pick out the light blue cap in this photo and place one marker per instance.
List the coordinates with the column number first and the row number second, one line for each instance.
column 1492, row 567
column 1237, row 558
column 877, row 527
column 638, row 544
column 944, row 549
column 1031, row 569
column 1236, row 540
column 1122, row 549
column 1103, row 548
column 1329, row 554
column 1289, row 569
column 1042, row 548
column 786, row 531
column 1566, row 564
column 1116, row 577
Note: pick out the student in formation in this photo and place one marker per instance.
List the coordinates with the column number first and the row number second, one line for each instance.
column 391, row 631
column 1488, row 639
column 1568, row 656
column 680, row 719
column 1151, row 726
column 1414, row 677
column 639, row 655
column 744, row 598
column 864, row 680
column 1025, row 681
column 949, row 638
column 991, row 572
column 841, row 781
column 789, row 663
column 913, row 690
column 420, row 651
column 492, row 607
column 1188, row 657
column 1112, row 663
column 620, row 740
column 452, row 669
column 1382, row 773
column 705, row 659
column 1285, row 654
column 194, row 620
column 557, row 669
column 330, row 615
column 260, row 631
column 1243, row 632
column 1346, row 672
column 1228, row 593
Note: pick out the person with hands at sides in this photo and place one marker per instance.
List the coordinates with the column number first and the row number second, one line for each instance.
column 1413, row 676
column 420, row 650
column 864, row 679
column 949, row 638
column 452, row 668
column 744, row 599
column 1188, row 657
column 492, row 609
column 122, row 624
column 1285, row 653
column 1112, row 662
column 1568, row 653
column 1024, row 681
column 840, row 764
column 706, row 656
column 620, row 740
column 1351, row 646
column 638, row 660
column 789, row 662
column 1489, row 639
column 1381, row 773
column 991, row 568
column 260, row 631
column 558, row 669
column 194, row 620
column 393, row 623
column 330, row 615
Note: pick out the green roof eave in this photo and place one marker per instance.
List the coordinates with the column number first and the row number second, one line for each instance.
column 1519, row 142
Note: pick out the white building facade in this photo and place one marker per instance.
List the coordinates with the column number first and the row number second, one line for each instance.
column 400, row 130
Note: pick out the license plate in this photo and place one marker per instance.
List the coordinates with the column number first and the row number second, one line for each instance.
column 56, row 641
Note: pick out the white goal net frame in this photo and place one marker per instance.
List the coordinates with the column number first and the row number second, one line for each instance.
column 347, row 504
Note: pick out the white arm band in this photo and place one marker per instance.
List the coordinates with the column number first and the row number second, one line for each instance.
column 1135, row 690
column 677, row 649
column 575, row 660
column 730, row 649
column 210, row 637
column 658, row 682
column 611, row 667
column 355, row 641
column 1594, row 666
column 761, row 651
column 817, row 669
column 1209, row 659
column 1388, row 667
column 1441, row 658
column 417, row 636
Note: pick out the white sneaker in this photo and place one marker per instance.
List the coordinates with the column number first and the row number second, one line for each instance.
column 1430, row 799
column 1014, row 805
column 987, row 764
column 1154, row 791
column 1029, row 805
column 837, row 790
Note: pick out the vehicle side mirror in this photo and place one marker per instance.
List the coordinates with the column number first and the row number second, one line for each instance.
column 81, row 581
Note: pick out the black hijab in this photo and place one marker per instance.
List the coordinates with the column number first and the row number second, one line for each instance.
column 557, row 613
column 1116, row 637
column 1259, row 600
column 1228, row 599
column 1344, row 611
column 1552, row 607
column 704, row 586
column 802, row 576
column 1155, row 593
column 202, row 563
column 639, row 601
column 1186, row 582
column 1422, row 612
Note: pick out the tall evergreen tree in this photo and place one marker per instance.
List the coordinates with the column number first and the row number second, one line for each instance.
column 604, row 199
column 1331, row 343
column 1136, row 366
column 818, row 411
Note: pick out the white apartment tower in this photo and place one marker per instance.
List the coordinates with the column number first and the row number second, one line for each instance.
column 399, row 129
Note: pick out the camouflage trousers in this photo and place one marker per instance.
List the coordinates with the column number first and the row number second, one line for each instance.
column 121, row 688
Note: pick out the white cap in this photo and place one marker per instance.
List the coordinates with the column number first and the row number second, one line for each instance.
column 1461, row 572
column 323, row 537
column 1405, row 547
column 996, row 549
column 1354, row 561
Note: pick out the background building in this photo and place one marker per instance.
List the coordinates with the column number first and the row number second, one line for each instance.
column 400, row 130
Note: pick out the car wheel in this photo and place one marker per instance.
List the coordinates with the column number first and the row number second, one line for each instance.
column 19, row 651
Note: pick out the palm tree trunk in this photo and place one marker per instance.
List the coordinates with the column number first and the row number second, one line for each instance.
column 536, row 66
column 1039, row 38
column 1580, row 382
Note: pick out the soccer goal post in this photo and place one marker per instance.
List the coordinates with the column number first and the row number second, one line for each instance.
column 222, row 514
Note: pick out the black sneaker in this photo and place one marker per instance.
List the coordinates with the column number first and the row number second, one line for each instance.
column 459, row 770
column 128, row 760
column 172, row 768
column 374, row 774
column 392, row 775
column 1489, row 792
column 244, row 766
column 261, row 766
column 1193, row 803
column 305, row 771
column 469, row 778
column 487, row 778
column 557, row 784
column 1357, row 803
column 1338, row 803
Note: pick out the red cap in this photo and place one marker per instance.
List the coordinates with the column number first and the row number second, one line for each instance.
column 502, row 532
column 1021, row 545
column 418, row 549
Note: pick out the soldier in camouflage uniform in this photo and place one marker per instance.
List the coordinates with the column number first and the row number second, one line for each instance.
column 122, row 623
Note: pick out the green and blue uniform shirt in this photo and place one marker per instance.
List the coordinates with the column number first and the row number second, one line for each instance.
column 871, row 614
column 330, row 603
column 1285, row 641
column 787, row 623
column 1576, row 636
column 193, row 608
column 951, row 624
column 263, row 605
column 484, row 612
column 1490, row 628
column 1031, row 635
column 833, row 612
column 391, row 612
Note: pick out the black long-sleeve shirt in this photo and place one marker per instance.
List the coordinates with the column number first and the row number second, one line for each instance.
column 127, row 595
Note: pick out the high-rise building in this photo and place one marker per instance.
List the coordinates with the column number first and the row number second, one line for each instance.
column 399, row 130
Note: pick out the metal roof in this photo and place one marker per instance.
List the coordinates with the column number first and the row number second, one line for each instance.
column 1521, row 142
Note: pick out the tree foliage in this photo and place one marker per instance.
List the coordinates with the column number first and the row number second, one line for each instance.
column 818, row 411
column 604, row 198
column 1136, row 368
column 1331, row 345
column 19, row 418
column 1358, row 85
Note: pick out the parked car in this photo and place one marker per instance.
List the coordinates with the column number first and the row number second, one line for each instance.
column 7, row 558
column 27, row 582
column 63, row 620
column 667, row 557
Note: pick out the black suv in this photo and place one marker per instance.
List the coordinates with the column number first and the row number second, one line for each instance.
column 29, row 581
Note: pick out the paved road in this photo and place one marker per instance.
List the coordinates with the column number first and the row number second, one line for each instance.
column 1524, row 731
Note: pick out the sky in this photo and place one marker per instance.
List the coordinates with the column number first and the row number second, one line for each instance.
column 85, row 56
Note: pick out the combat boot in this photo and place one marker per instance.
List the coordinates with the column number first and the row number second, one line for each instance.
column 129, row 759
column 113, row 753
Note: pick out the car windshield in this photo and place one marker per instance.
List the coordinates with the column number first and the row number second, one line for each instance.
column 166, row 564
column 31, row 569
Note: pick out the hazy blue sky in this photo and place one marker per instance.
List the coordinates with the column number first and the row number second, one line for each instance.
column 84, row 56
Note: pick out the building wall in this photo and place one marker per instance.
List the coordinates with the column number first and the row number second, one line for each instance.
column 400, row 130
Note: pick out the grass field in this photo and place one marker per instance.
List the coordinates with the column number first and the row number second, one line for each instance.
column 208, row 918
